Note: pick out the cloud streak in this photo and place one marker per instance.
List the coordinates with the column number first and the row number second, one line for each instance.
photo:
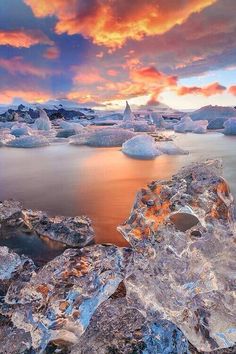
column 20, row 38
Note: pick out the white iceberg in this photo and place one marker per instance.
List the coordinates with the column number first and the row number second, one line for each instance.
column 70, row 125
column 141, row 146
column 186, row 124
column 43, row 122
column 28, row 142
column 169, row 148
column 128, row 115
column 20, row 129
column 80, row 138
column 230, row 127
column 109, row 137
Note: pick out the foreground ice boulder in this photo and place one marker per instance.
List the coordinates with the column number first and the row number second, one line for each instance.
column 184, row 267
column 230, row 127
column 56, row 305
column 28, row 142
column 186, row 124
column 43, row 122
column 141, row 146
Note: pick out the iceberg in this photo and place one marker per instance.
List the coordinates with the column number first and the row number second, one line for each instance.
column 230, row 127
column 157, row 119
column 43, row 122
column 169, row 148
column 20, row 129
column 128, row 115
column 70, row 125
column 186, row 124
column 141, row 146
column 109, row 137
column 28, row 142
column 138, row 126
column 212, row 112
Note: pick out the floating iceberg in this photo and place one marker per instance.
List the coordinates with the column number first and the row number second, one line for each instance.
column 141, row 146
column 230, row 127
column 138, row 126
column 20, row 129
column 212, row 112
column 169, row 148
column 43, row 122
column 186, row 124
column 109, row 137
column 65, row 133
column 157, row 119
column 28, row 142
column 128, row 114
column 70, row 125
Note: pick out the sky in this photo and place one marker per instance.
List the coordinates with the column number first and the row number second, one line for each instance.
column 99, row 53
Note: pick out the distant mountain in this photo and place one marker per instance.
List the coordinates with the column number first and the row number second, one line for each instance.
column 213, row 112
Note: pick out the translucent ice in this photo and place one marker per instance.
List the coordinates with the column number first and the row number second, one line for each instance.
column 230, row 127
column 43, row 122
column 28, row 142
column 141, row 146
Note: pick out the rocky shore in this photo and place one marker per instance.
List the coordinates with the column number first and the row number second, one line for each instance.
column 171, row 291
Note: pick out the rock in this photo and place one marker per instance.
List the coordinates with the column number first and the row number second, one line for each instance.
column 185, row 269
column 108, row 137
column 9, row 209
column 141, row 146
column 32, row 141
column 217, row 123
column 43, row 122
column 73, row 231
column 56, row 305
column 230, row 127
column 117, row 328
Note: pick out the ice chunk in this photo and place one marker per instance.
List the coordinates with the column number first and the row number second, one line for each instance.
column 20, row 129
column 230, row 127
column 128, row 114
column 71, row 125
column 109, row 137
column 138, row 126
column 28, row 142
column 43, row 122
column 141, row 146
column 186, row 124
column 169, row 148
column 65, row 133
column 157, row 119
column 217, row 123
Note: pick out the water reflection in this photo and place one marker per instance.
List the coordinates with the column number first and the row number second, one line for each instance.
column 100, row 183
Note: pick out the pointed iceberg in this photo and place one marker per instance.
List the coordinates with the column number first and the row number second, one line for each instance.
column 128, row 115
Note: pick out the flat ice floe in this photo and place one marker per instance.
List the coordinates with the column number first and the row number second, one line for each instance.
column 169, row 148
column 28, row 142
column 141, row 146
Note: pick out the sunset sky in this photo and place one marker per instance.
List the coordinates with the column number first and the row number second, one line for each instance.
column 102, row 52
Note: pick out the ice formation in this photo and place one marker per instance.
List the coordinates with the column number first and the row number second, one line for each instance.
column 169, row 148
column 213, row 112
column 128, row 115
column 186, row 124
column 43, row 122
column 28, row 142
column 141, row 146
column 21, row 129
column 230, row 127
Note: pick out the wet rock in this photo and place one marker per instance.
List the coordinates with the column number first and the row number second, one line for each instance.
column 117, row 328
column 56, row 305
column 190, row 280
column 73, row 231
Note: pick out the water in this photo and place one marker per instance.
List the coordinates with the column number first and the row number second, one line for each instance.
column 99, row 182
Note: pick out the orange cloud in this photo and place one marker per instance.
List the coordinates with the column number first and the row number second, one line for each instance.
column 232, row 90
column 32, row 96
column 20, row 38
column 112, row 23
column 152, row 75
column 209, row 90
column 51, row 53
column 18, row 65
column 87, row 75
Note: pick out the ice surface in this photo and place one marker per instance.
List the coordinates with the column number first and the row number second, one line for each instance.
column 212, row 112
column 141, row 146
column 157, row 119
column 70, row 125
column 28, row 142
column 230, row 127
column 109, row 137
column 169, row 148
column 186, row 124
column 138, row 126
column 20, row 129
column 43, row 122
column 128, row 114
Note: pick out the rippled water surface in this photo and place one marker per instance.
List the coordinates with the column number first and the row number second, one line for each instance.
column 99, row 182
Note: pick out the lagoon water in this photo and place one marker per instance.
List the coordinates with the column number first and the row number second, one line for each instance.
column 99, row 182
